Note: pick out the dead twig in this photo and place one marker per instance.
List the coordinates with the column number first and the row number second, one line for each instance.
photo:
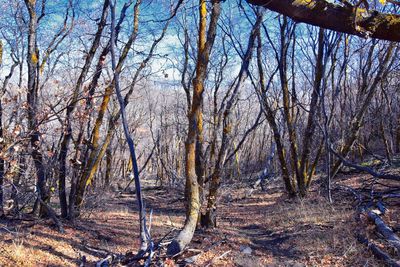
column 218, row 258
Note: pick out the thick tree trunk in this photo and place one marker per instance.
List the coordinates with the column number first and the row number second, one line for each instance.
column 32, row 60
column 308, row 134
column 286, row 34
column 62, row 158
column 107, row 176
column 192, row 186
column 341, row 18
column 287, row 179
column 200, row 160
column 205, row 44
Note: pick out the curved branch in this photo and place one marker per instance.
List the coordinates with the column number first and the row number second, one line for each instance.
column 338, row 17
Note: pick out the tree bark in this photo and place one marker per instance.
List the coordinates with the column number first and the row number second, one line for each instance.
column 341, row 18
column 205, row 44
column 385, row 230
column 270, row 115
column 397, row 141
column 107, row 176
column 97, row 150
column 62, row 158
column 308, row 134
column 1, row 145
column 32, row 60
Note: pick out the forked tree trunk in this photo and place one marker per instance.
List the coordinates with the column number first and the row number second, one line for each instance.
column 96, row 150
column 308, row 135
column 62, row 158
column 205, row 44
column 356, row 122
column 271, row 118
column 210, row 220
column 97, row 154
column 91, row 166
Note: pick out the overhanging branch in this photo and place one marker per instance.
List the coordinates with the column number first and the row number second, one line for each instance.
column 338, row 17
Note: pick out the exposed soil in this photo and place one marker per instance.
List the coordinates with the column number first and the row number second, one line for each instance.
column 264, row 229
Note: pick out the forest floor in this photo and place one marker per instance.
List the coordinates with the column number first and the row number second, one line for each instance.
column 264, row 229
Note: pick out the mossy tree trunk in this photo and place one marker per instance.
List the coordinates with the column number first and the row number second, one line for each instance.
column 205, row 44
column 64, row 147
column 342, row 17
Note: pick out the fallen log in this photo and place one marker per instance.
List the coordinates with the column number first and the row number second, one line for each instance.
column 378, row 252
column 385, row 230
column 372, row 172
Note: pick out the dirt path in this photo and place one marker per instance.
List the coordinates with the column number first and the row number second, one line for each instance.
column 262, row 230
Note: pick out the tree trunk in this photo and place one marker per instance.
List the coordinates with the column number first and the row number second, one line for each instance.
column 271, row 116
column 92, row 162
column 398, row 136
column 1, row 188
column 385, row 141
column 338, row 17
column 210, row 220
column 145, row 240
column 356, row 122
column 97, row 154
column 1, row 145
column 205, row 44
column 107, row 176
column 62, row 158
column 32, row 60
column 308, row 134
column 385, row 230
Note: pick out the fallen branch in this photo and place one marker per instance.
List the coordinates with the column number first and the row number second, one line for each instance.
column 105, row 262
column 363, row 168
column 385, row 230
column 218, row 258
column 378, row 252
column 390, row 196
column 361, row 237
